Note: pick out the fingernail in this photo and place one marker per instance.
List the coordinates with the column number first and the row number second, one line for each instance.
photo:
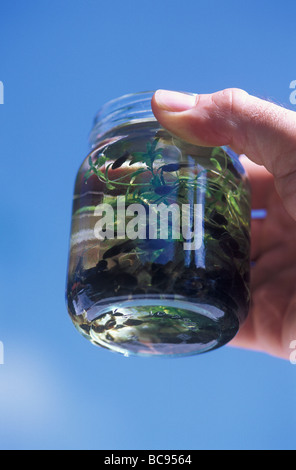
column 175, row 101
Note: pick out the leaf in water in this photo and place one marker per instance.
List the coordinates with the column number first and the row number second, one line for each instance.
column 149, row 147
column 154, row 144
column 99, row 174
column 157, row 156
column 101, row 160
column 110, row 186
column 137, row 157
column 217, row 151
column 90, row 162
column 234, row 205
column 216, row 164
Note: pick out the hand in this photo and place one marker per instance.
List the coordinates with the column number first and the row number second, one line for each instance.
column 267, row 134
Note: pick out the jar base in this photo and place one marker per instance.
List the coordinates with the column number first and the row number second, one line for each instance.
column 158, row 326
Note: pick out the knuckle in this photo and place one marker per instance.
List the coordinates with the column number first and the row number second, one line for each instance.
column 230, row 99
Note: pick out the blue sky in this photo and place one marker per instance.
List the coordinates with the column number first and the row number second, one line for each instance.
column 59, row 62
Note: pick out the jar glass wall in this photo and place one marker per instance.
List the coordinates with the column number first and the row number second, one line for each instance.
column 159, row 256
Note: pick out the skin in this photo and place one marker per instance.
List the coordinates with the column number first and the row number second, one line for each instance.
column 267, row 134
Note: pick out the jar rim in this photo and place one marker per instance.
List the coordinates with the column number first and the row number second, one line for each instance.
column 128, row 98
column 131, row 107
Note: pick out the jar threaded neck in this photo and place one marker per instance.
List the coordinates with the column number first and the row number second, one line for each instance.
column 131, row 108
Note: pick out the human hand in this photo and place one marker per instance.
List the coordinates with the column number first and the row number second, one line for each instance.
column 267, row 134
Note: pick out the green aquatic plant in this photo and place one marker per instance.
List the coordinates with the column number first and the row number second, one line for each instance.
column 155, row 181
column 166, row 180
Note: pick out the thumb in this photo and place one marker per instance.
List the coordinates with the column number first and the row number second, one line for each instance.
column 263, row 131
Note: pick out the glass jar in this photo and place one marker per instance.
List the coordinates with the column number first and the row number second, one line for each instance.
column 160, row 248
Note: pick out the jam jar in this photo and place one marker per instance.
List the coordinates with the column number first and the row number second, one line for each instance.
column 159, row 259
